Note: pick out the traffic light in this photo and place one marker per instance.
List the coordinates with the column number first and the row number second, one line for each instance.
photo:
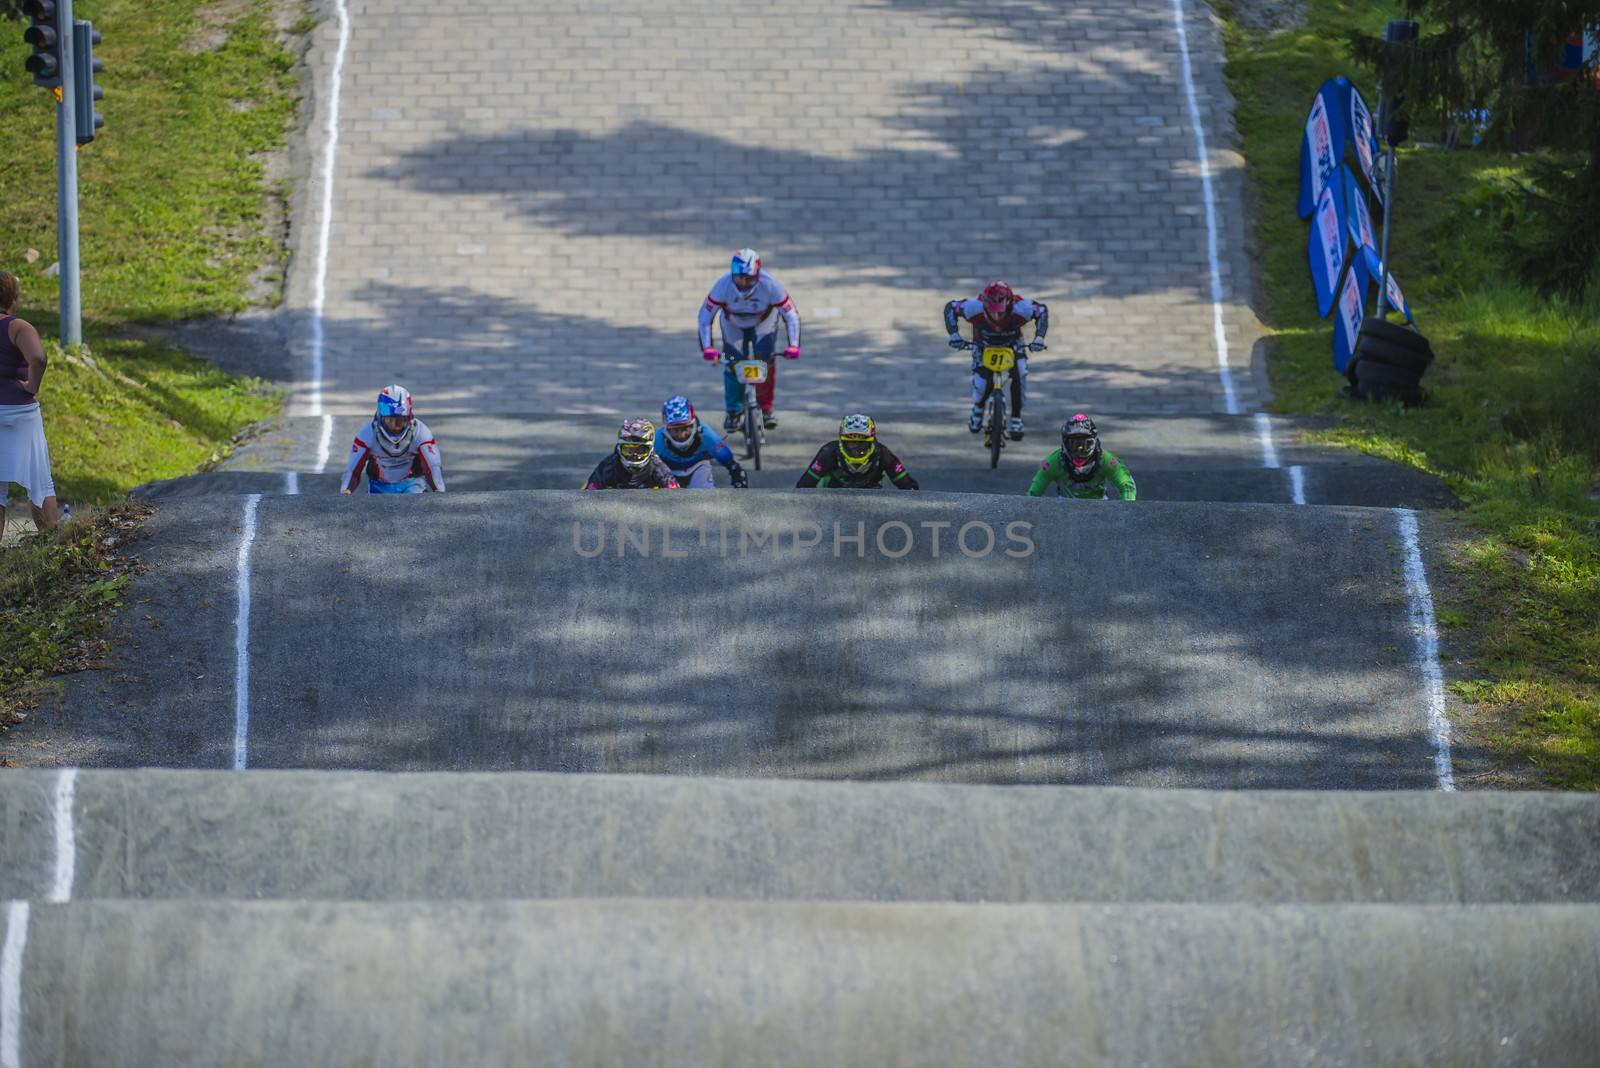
column 45, row 38
column 85, row 91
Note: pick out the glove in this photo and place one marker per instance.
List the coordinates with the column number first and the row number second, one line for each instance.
column 956, row 342
column 1036, row 346
column 909, row 483
column 708, row 354
column 740, row 479
column 792, row 352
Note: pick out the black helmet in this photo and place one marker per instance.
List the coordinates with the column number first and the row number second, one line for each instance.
column 1080, row 447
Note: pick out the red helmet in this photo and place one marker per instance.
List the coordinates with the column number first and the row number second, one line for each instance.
column 997, row 301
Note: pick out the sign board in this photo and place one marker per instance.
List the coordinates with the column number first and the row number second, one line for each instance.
column 1326, row 245
column 1364, row 136
column 1347, row 324
column 1322, row 144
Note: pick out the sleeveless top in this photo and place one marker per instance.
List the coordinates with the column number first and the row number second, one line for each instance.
column 11, row 391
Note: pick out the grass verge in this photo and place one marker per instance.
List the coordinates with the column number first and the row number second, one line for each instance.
column 1513, row 419
column 180, row 217
column 59, row 589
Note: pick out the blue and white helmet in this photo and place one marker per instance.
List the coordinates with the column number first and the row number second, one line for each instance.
column 681, row 424
column 394, row 402
column 746, row 264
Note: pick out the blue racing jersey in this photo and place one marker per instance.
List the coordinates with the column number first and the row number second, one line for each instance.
column 706, row 444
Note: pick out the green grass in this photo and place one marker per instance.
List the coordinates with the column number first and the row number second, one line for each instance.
column 1513, row 418
column 59, row 588
column 176, row 221
column 174, row 209
column 173, row 191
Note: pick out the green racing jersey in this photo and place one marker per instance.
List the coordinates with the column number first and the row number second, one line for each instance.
column 1110, row 469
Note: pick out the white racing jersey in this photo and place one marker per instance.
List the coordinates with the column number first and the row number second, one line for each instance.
column 758, row 308
column 419, row 459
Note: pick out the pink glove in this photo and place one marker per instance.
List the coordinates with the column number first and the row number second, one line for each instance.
column 708, row 354
column 792, row 352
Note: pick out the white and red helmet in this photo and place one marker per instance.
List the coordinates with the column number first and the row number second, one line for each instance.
column 394, row 408
column 746, row 265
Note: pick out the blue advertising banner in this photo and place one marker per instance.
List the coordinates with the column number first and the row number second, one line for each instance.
column 1359, row 220
column 1347, row 324
column 1397, row 299
column 1322, row 145
column 1326, row 245
column 1365, row 138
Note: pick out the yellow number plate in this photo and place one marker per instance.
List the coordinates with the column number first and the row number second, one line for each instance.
column 752, row 370
column 999, row 359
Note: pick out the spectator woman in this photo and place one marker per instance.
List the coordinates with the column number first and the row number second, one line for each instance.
column 24, row 457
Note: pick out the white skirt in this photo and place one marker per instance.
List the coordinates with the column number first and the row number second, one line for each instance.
column 24, row 456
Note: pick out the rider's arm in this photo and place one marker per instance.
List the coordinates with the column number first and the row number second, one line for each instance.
column 896, row 469
column 708, row 312
column 663, row 474
column 428, row 453
column 791, row 320
column 1117, row 472
column 1049, row 471
column 820, row 467
column 712, row 442
column 597, row 477
column 1041, row 320
column 952, row 316
column 353, row 467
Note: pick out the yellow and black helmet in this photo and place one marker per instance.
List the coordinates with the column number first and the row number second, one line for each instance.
column 636, row 443
column 858, row 440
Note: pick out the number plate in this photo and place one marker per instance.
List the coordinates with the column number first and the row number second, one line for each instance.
column 751, row 370
column 999, row 359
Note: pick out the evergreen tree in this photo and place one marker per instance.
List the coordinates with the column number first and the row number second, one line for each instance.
column 1496, row 59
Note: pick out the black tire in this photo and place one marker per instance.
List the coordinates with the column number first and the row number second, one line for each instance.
column 997, row 428
column 1378, row 373
column 752, row 435
column 1397, row 334
column 1376, row 350
column 1380, row 380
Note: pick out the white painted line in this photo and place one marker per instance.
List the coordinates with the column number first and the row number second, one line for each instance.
column 241, row 639
column 1230, row 401
column 11, row 985
column 1269, row 455
column 319, row 285
column 1297, row 484
column 291, row 479
column 66, row 837
column 324, row 444
column 1426, row 631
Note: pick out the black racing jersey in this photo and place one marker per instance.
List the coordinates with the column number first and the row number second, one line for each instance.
column 828, row 470
column 613, row 474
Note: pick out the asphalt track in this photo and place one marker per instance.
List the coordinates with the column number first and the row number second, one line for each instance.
column 529, row 264
column 958, row 637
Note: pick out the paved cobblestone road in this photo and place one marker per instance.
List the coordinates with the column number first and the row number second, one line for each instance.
column 529, row 204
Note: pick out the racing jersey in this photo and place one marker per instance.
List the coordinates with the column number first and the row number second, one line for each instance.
column 828, row 470
column 985, row 332
column 613, row 474
column 419, row 459
column 758, row 308
column 706, row 444
column 1109, row 469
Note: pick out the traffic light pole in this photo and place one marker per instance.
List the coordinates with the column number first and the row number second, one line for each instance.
column 67, row 184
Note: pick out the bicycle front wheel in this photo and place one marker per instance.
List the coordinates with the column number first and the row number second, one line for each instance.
column 997, row 427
